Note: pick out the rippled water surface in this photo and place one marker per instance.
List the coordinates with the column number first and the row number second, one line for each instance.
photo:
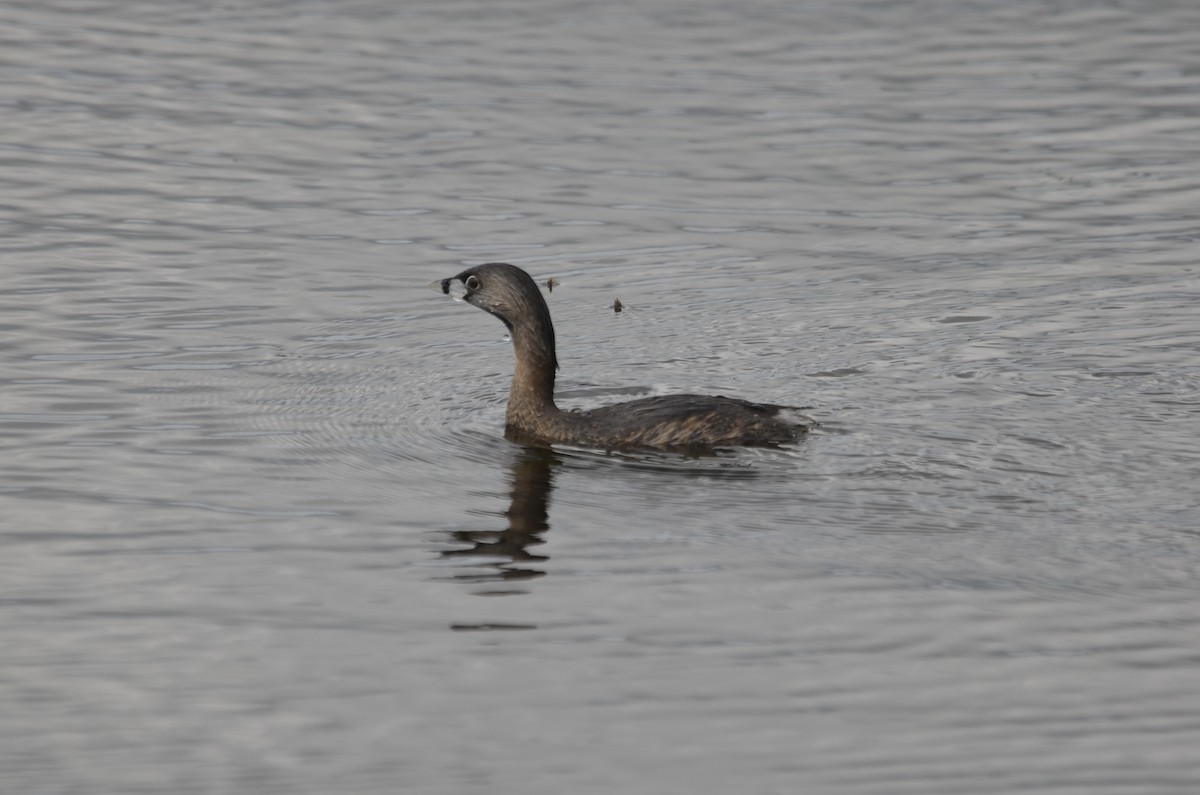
column 262, row 532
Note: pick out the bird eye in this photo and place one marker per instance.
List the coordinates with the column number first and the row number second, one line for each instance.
column 472, row 282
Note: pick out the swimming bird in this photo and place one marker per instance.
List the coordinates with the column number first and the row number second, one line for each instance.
column 686, row 423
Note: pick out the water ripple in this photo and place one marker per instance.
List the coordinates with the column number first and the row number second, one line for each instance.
column 254, row 476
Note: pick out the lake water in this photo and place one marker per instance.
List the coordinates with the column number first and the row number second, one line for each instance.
column 262, row 532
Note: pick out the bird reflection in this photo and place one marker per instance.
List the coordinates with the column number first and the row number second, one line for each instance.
column 507, row 552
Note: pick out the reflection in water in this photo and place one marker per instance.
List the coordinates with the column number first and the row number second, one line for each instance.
column 505, row 553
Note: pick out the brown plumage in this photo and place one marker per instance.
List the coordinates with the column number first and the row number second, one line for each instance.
column 672, row 422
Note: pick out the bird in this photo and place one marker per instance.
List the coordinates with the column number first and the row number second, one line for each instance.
column 684, row 423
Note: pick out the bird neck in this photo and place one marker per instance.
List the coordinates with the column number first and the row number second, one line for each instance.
column 532, row 392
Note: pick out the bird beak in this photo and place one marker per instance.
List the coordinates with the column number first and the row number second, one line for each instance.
column 451, row 287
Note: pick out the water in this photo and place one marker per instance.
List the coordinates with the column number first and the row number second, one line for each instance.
column 262, row 532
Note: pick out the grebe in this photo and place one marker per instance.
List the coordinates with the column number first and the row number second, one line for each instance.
column 671, row 422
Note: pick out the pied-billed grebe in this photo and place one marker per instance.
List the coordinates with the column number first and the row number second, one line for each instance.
column 671, row 422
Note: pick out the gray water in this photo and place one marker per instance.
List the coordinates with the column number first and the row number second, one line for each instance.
column 262, row 532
